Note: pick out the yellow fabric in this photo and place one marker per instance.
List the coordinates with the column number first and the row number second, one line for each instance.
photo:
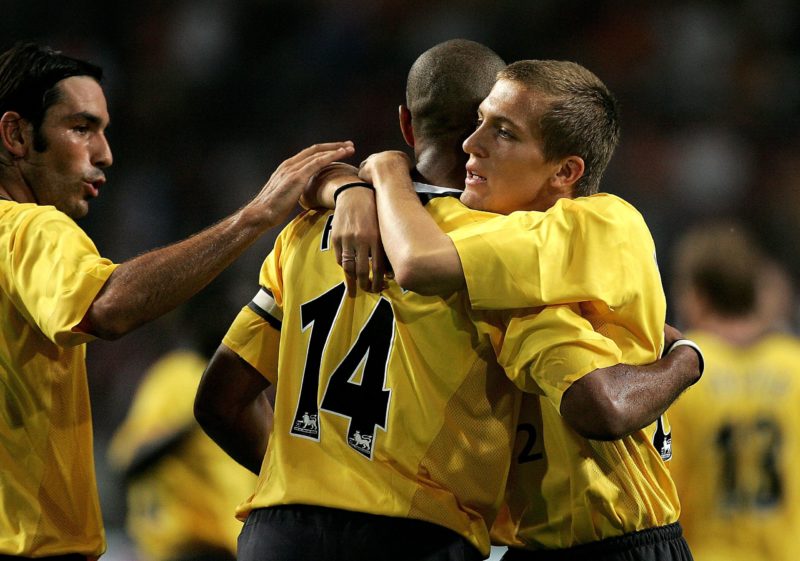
column 50, row 272
column 736, row 465
column 596, row 257
column 447, row 410
column 184, row 502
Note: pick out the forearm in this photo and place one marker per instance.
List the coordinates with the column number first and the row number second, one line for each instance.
column 423, row 258
column 245, row 436
column 319, row 193
column 611, row 403
column 154, row 283
column 232, row 407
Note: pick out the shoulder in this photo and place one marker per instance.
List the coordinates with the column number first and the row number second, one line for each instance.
column 781, row 343
column 27, row 225
column 450, row 213
column 25, row 213
column 602, row 207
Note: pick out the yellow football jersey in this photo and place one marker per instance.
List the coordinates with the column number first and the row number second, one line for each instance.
column 181, row 487
column 565, row 490
column 391, row 403
column 739, row 429
column 50, row 272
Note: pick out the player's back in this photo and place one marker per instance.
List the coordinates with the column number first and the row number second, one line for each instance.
column 389, row 403
column 739, row 435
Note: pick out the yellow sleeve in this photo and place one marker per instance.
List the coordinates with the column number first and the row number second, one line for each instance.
column 588, row 249
column 255, row 332
column 54, row 271
column 545, row 352
column 256, row 341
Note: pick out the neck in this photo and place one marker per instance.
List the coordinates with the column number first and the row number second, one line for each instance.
column 13, row 186
column 441, row 167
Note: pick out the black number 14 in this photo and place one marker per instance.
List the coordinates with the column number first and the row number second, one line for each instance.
column 366, row 403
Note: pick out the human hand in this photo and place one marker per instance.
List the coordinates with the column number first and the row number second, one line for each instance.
column 280, row 194
column 391, row 161
column 356, row 240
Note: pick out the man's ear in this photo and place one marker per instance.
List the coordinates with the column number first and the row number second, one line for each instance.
column 405, row 125
column 568, row 173
column 13, row 134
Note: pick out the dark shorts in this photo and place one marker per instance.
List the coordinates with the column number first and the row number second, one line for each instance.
column 63, row 557
column 655, row 544
column 303, row 533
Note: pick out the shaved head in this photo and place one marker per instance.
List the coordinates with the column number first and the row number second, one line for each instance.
column 447, row 83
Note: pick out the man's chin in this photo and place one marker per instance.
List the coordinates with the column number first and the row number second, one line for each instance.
column 471, row 199
column 476, row 201
column 78, row 210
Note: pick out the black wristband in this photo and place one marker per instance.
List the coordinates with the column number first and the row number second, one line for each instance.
column 692, row 345
column 347, row 186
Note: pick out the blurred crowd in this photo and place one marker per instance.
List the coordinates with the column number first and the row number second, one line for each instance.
column 208, row 96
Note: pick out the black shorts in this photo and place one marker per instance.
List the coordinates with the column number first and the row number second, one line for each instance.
column 655, row 544
column 303, row 533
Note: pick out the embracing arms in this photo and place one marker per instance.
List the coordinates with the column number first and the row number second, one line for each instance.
column 610, row 403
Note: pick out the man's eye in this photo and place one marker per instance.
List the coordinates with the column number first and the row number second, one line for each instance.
column 81, row 129
column 504, row 133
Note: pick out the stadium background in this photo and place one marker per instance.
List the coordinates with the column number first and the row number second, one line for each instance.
column 208, row 96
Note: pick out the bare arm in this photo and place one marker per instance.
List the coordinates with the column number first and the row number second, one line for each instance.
column 611, row 403
column 424, row 259
column 233, row 408
column 152, row 284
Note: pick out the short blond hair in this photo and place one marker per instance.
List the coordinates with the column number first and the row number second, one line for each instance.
column 581, row 119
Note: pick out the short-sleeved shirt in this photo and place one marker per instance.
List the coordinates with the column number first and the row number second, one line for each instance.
column 391, row 404
column 181, row 487
column 50, row 272
column 736, row 467
column 605, row 305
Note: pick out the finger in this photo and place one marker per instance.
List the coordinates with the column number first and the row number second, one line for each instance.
column 363, row 266
column 336, row 241
column 314, row 149
column 378, row 268
column 350, row 285
column 350, row 281
column 337, row 250
column 312, row 164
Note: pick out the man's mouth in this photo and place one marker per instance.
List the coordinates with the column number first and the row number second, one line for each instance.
column 472, row 176
column 94, row 187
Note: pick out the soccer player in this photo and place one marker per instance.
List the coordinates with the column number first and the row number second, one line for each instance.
column 588, row 481
column 181, row 487
column 393, row 422
column 57, row 293
column 739, row 428
column 420, row 463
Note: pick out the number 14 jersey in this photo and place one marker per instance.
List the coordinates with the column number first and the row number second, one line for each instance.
column 391, row 404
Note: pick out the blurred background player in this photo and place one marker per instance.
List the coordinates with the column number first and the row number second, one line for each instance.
column 739, row 427
column 182, row 488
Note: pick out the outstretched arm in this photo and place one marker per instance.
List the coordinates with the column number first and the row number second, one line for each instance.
column 233, row 408
column 610, row 403
column 152, row 284
column 423, row 258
